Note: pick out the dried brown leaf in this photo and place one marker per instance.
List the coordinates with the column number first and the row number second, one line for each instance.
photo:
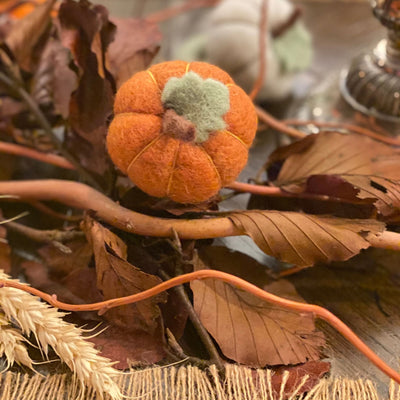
column 61, row 264
column 303, row 239
column 126, row 348
column 116, row 277
column 332, row 153
column 86, row 31
column 26, row 32
column 53, row 81
column 382, row 192
column 136, row 43
column 247, row 329
column 314, row 370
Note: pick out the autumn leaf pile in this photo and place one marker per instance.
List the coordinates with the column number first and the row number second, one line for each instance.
column 337, row 192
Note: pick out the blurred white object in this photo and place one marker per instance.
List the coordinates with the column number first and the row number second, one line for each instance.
column 230, row 39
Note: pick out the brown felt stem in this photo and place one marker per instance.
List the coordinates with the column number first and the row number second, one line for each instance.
column 178, row 126
column 317, row 311
column 84, row 197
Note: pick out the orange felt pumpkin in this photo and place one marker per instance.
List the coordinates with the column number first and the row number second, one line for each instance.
column 181, row 130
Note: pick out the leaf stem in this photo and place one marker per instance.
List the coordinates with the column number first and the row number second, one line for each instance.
column 316, row 310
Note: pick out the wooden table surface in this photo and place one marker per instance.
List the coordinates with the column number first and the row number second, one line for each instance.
column 364, row 292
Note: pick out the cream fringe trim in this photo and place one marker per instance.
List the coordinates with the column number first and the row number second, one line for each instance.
column 189, row 383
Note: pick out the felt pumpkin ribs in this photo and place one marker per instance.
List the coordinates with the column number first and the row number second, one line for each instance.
column 181, row 130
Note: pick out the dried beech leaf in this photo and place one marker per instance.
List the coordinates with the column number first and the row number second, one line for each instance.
column 382, row 192
column 126, row 348
column 53, row 81
column 61, row 264
column 86, row 31
column 304, row 239
column 250, row 330
column 332, row 153
column 116, row 277
column 315, row 370
column 26, row 32
column 136, row 43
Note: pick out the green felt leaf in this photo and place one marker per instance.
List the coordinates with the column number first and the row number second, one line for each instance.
column 294, row 49
column 203, row 102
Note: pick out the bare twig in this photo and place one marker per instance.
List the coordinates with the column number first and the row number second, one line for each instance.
column 168, row 13
column 49, row 211
column 194, row 318
column 54, row 237
column 84, row 197
column 42, row 120
column 11, row 148
column 278, row 125
column 273, row 191
column 262, row 50
column 315, row 310
column 343, row 125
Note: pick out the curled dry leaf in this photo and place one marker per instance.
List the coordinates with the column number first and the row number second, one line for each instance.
column 247, row 329
column 26, row 32
column 384, row 193
column 351, row 167
column 86, row 31
column 53, row 81
column 303, row 239
column 116, row 277
column 311, row 372
column 331, row 153
column 136, row 43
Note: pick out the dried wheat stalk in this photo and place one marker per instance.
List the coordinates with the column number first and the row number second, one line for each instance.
column 11, row 344
column 47, row 325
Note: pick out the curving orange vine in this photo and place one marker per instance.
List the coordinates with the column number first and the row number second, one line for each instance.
column 317, row 311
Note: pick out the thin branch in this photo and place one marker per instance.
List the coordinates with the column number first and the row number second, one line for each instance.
column 278, row 125
column 168, row 13
column 342, row 125
column 194, row 318
column 44, row 123
column 315, row 310
column 15, row 149
column 273, row 191
column 79, row 195
column 54, row 237
column 49, row 211
column 84, row 197
column 262, row 50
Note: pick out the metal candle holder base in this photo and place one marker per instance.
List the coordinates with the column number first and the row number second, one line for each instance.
column 372, row 83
